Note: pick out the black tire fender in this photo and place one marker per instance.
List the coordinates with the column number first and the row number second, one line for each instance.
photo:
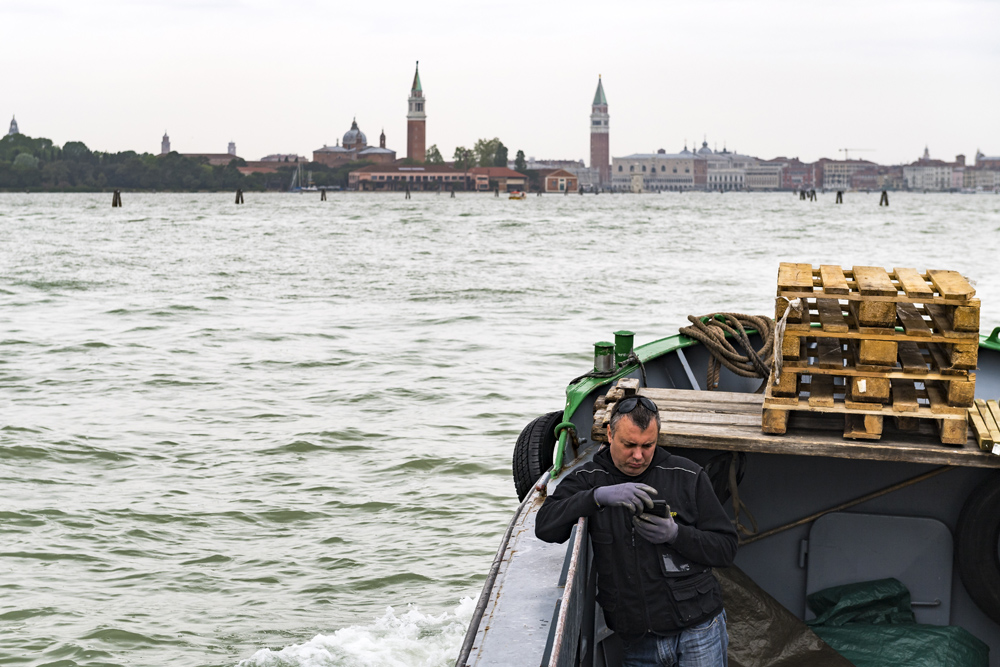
column 533, row 451
column 977, row 546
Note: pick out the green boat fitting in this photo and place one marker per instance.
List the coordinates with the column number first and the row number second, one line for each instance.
column 623, row 345
column 604, row 357
column 993, row 341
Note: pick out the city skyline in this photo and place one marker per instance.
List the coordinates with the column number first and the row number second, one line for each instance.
column 774, row 79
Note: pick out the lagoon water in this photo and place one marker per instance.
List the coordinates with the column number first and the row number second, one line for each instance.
column 280, row 433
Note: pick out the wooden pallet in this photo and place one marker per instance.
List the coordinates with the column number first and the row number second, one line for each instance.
column 870, row 343
column 919, row 322
column 877, row 305
column 843, row 357
column 875, row 284
column 984, row 418
column 909, row 400
column 823, row 360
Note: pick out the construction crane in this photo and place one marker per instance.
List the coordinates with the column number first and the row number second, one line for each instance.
column 856, row 150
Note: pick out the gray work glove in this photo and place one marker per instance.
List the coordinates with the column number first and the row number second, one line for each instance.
column 631, row 495
column 656, row 529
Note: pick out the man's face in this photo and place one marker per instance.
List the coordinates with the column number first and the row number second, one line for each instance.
column 631, row 447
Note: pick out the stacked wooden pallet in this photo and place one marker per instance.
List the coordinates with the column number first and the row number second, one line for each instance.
column 985, row 420
column 872, row 344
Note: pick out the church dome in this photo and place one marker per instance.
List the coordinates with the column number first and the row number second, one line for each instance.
column 704, row 150
column 354, row 136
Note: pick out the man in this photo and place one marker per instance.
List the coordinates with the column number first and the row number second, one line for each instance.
column 654, row 576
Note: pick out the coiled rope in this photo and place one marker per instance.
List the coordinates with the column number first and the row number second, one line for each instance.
column 711, row 332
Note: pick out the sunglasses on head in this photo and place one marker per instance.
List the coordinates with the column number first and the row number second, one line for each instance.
column 627, row 405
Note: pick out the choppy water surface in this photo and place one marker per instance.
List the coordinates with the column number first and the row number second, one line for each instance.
column 280, row 433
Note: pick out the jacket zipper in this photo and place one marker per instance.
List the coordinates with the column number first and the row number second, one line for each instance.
column 638, row 578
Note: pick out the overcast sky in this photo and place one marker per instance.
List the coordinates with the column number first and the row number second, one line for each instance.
column 765, row 78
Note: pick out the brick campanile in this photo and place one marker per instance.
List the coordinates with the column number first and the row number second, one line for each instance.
column 600, row 152
column 416, row 121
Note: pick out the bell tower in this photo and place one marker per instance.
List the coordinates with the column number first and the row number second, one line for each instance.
column 165, row 144
column 600, row 153
column 416, row 121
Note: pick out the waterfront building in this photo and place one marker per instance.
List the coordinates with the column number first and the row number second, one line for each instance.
column 891, row 178
column 796, row 174
column 354, row 148
column 165, row 143
column 334, row 156
column 408, row 177
column 13, row 127
column 600, row 150
column 586, row 177
column 865, row 179
column 958, row 172
column 502, row 178
column 929, row 174
column 725, row 171
column 416, row 121
column 558, row 180
column 703, row 169
column 982, row 180
column 765, row 175
column 837, row 174
column 982, row 161
column 655, row 172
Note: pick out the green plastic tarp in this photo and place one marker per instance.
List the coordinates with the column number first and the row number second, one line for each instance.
column 872, row 625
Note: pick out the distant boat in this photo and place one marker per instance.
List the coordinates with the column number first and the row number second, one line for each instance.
column 517, row 194
column 297, row 181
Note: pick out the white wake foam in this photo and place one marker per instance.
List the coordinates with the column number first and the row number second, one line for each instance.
column 412, row 639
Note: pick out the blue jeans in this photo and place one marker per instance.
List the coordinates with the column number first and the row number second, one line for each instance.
column 703, row 645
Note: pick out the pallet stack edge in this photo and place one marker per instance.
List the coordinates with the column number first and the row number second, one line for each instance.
column 871, row 343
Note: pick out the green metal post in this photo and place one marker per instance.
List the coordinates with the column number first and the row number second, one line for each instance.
column 557, row 456
column 604, row 357
column 623, row 345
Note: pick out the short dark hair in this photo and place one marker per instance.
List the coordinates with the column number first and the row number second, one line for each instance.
column 640, row 416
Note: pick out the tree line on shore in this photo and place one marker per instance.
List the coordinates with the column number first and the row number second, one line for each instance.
column 484, row 153
column 36, row 164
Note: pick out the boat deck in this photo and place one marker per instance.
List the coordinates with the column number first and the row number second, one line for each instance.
column 731, row 421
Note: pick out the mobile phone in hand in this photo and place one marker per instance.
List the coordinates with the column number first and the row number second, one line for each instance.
column 660, row 508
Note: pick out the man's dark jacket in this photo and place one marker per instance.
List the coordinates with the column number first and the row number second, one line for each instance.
column 644, row 587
